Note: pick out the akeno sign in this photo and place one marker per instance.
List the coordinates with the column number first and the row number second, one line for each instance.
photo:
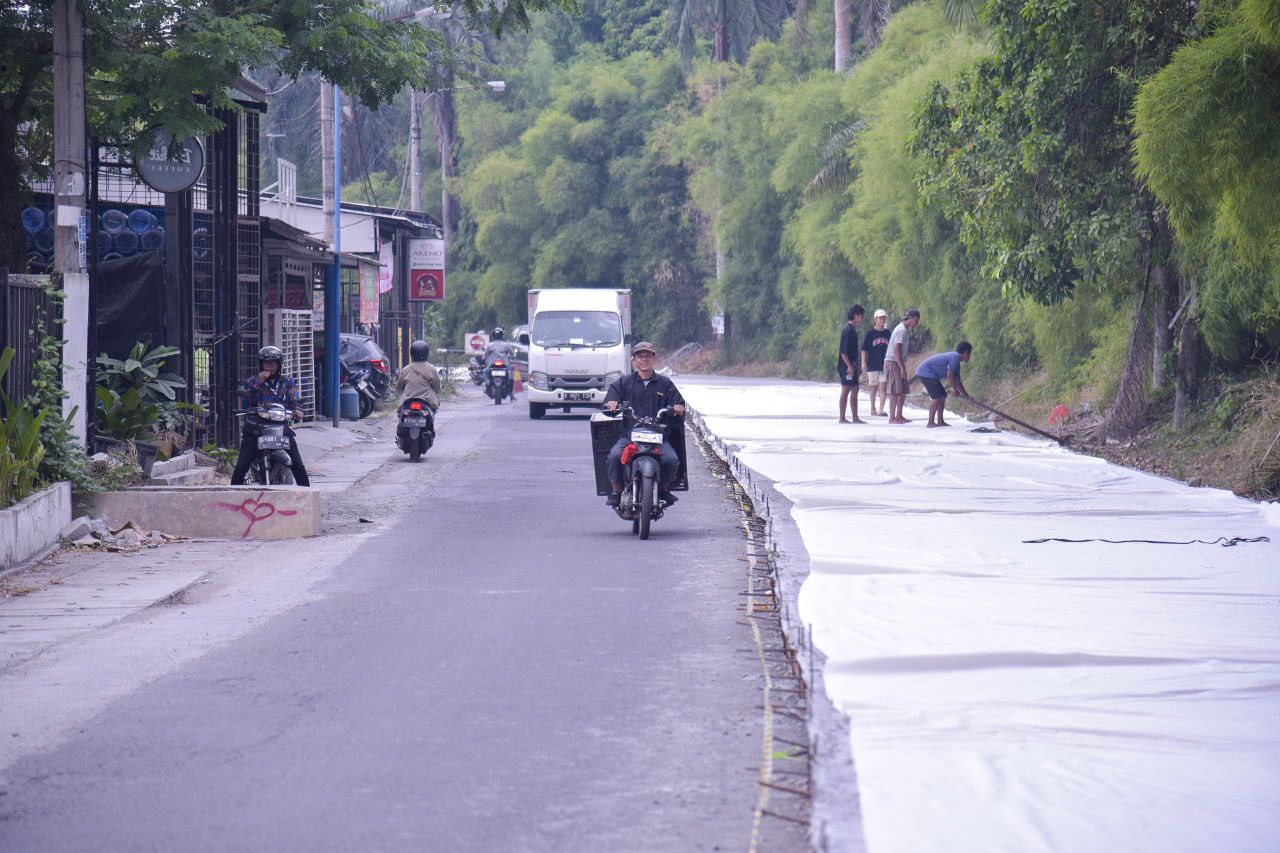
column 426, row 270
column 167, row 175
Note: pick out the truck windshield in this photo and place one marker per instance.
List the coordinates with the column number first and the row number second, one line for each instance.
column 577, row 329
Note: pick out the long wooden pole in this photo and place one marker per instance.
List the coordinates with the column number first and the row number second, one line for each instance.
column 1061, row 439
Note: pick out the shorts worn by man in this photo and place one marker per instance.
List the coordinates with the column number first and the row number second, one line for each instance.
column 646, row 393
column 934, row 370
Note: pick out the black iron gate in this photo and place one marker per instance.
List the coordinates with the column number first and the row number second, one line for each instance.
column 24, row 306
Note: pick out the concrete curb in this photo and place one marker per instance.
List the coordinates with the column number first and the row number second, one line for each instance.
column 214, row 512
column 30, row 528
column 835, row 822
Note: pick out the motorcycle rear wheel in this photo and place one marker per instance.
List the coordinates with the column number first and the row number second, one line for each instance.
column 415, row 452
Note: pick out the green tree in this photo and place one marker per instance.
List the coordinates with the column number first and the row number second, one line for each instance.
column 1207, row 126
column 150, row 64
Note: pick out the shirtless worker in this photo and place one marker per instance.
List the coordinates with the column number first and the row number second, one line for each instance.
column 895, row 366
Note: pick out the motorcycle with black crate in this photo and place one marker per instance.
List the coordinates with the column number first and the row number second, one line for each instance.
column 640, row 503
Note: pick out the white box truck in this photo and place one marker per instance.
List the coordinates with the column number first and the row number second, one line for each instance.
column 578, row 345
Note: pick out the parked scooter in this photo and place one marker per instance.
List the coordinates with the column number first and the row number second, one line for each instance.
column 357, row 376
column 476, row 369
column 271, row 464
column 640, row 503
column 416, row 431
column 500, row 383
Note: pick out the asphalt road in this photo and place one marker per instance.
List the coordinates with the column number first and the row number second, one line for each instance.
column 498, row 665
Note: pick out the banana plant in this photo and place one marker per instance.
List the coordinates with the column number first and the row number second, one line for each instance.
column 20, row 449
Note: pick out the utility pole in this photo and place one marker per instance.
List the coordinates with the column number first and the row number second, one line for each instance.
column 69, row 201
column 415, row 150
column 333, row 286
column 326, row 157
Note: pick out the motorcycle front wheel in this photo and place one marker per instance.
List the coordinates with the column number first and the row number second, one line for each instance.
column 648, row 487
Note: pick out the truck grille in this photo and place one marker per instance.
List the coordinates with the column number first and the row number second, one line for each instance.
column 574, row 383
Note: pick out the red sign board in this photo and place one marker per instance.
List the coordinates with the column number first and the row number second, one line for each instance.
column 426, row 270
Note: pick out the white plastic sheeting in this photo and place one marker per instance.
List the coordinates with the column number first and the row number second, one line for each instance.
column 1006, row 696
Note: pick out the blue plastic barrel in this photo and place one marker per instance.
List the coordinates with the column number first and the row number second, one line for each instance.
column 33, row 219
column 126, row 242
column 152, row 239
column 114, row 221
column 140, row 220
column 349, row 403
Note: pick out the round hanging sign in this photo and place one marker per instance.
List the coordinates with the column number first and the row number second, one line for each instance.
column 167, row 175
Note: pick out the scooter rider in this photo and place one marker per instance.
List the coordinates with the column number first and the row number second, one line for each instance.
column 419, row 378
column 499, row 348
column 265, row 387
column 647, row 393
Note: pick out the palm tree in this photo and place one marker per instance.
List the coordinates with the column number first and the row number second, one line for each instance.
column 734, row 25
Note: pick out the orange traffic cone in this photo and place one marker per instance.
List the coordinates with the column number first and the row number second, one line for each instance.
column 519, row 384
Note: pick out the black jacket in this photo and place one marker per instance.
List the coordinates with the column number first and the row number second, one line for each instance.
column 646, row 401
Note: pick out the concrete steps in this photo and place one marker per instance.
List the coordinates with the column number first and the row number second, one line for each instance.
column 182, row 470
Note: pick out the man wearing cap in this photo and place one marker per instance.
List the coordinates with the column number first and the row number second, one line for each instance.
column 646, row 393
column 895, row 366
column 875, row 344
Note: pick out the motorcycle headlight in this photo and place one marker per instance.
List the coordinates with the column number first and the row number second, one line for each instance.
column 612, row 377
column 538, row 380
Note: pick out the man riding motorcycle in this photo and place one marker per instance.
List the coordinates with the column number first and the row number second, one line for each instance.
column 646, row 392
column 419, row 378
column 499, row 348
column 265, row 387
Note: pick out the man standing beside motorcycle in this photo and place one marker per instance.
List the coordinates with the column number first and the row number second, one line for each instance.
column 499, row 348
column 646, row 393
column 265, row 387
column 419, row 378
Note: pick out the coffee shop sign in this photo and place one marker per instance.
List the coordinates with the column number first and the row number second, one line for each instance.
column 168, row 168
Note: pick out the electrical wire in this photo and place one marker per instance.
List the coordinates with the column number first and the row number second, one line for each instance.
column 1221, row 540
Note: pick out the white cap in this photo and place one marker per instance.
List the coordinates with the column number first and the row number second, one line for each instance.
column 880, row 312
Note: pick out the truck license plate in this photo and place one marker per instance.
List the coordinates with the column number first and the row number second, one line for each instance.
column 577, row 395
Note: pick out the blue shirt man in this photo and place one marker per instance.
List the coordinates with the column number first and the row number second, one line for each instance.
column 934, row 370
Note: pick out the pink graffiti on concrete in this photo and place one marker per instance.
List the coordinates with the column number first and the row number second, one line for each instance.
column 255, row 509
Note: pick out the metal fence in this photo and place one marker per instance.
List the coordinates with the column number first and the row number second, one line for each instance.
column 24, row 307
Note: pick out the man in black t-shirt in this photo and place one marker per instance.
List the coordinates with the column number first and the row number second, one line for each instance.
column 847, row 366
column 875, row 343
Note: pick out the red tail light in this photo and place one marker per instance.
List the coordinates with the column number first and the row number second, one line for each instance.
column 499, row 363
column 378, row 364
column 416, row 406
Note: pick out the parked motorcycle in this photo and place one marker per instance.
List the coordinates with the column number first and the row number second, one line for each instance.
column 271, row 464
column 640, row 503
column 416, row 431
column 476, row 369
column 500, row 382
column 358, row 377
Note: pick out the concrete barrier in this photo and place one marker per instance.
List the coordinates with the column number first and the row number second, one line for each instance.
column 30, row 528
column 214, row 512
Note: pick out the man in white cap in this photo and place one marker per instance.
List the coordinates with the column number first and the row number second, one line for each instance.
column 875, row 345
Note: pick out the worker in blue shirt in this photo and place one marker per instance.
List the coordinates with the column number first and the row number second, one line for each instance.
column 934, row 370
